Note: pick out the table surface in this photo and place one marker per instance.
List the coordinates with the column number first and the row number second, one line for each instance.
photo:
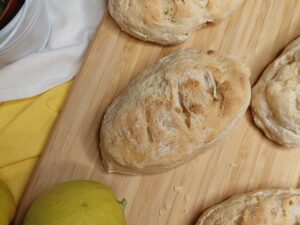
column 246, row 161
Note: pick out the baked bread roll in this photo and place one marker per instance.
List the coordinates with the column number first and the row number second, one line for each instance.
column 268, row 207
column 276, row 98
column 185, row 103
column 168, row 21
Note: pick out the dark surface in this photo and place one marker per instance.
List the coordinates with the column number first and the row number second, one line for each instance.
column 11, row 9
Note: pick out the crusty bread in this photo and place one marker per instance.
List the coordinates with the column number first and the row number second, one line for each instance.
column 276, row 98
column 168, row 21
column 174, row 110
column 266, row 207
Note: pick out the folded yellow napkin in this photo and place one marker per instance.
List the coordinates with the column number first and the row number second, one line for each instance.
column 24, row 128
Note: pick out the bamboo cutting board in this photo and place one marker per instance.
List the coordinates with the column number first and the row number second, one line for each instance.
column 245, row 161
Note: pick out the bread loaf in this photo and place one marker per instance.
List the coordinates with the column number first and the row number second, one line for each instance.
column 174, row 110
column 266, row 207
column 276, row 98
column 168, row 21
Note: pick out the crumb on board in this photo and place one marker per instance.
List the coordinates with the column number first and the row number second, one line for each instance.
column 161, row 212
column 184, row 211
column 186, row 198
column 166, row 206
column 233, row 165
column 178, row 189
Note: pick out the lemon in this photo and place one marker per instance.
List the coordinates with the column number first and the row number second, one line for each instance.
column 76, row 203
column 7, row 204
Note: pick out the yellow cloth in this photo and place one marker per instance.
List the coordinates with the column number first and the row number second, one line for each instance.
column 24, row 128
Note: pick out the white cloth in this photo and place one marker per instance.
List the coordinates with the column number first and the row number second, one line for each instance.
column 73, row 23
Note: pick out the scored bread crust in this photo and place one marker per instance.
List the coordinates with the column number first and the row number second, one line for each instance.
column 264, row 207
column 275, row 100
column 168, row 21
column 174, row 110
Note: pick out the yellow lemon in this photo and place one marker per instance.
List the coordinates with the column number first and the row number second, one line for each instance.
column 7, row 204
column 76, row 203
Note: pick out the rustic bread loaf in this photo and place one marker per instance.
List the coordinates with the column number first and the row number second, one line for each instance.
column 276, row 98
column 185, row 103
column 266, row 207
column 168, row 21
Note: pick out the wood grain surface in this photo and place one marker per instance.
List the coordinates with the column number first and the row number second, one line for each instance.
column 246, row 161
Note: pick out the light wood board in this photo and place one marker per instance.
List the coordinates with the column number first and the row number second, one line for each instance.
column 245, row 161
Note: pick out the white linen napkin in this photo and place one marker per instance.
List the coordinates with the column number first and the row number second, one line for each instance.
column 73, row 23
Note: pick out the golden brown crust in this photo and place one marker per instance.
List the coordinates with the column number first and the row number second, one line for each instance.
column 173, row 111
column 276, row 98
column 168, row 21
column 265, row 207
